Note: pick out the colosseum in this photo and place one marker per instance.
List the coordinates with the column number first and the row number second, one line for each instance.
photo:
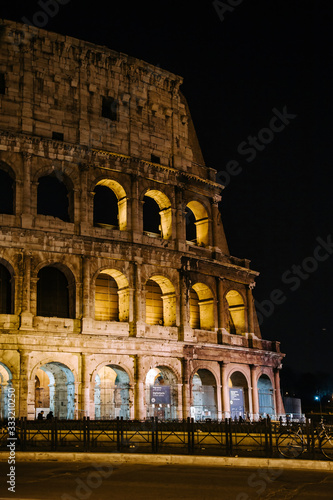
column 118, row 294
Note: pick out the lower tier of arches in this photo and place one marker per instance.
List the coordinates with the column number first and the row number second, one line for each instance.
column 76, row 385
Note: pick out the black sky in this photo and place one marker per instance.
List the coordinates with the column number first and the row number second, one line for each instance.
column 264, row 55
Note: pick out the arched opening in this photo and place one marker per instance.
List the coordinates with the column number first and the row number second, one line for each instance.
column 266, row 396
column 5, row 389
column 197, row 225
column 112, row 397
column 7, row 195
column 204, row 395
column 110, row 205
column 236, row 310
column 55, row 390
column 6, row 291
column 55, row 196
column 55, row 296
column 201, row 307
column 111, row 296
column 157, row 214
column 160, row 302
column 239, row 396
column 161, row 393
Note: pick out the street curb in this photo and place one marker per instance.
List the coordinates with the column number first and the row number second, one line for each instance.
column 195, row 460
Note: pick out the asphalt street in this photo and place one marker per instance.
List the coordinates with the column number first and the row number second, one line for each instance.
column 85, row 481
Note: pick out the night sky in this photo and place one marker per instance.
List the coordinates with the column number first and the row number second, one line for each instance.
column 241, row 68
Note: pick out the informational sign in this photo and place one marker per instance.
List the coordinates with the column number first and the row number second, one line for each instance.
column 236, row 401
column 160, row 394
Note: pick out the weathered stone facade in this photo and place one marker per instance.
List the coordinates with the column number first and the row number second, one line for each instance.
column 110, row 314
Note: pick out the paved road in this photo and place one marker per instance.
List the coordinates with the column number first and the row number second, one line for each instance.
column 69, row 481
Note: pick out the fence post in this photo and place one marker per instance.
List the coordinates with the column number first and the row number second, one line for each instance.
column 118, row 434
column 313, row 441
column 189, row 438
column 308, row 437
column 230, row 436
column 121, row 433
column 266, row 438
column 270, row 442
column 156, row 435
column 152, row 419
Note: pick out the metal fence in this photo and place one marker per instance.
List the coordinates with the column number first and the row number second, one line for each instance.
column 225, row 438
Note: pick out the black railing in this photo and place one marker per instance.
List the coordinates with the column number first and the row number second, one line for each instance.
column 225, row 438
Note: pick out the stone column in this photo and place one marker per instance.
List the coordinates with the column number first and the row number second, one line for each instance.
column 25, row 192
column 180, row 401
column 87, row 320
column 219, row 401
column 250, row 321
column 26, row 315
column 220, row 304
column 255, row 395
column 140, row 394
column 186, row 388
column 180, row 220
column 185, row 331
column 136, row 211
column 279, row 408
column 225, row 391
column 84, row 405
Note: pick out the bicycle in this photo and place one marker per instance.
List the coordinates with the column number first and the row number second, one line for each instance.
column 290, row 444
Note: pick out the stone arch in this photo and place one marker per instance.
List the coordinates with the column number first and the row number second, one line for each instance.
column 236, row 309
column 111, row 296
column 116, row 213
column 197, row 223
column 57, row 381
column 162, row 392
column 238, row 381
column 7, row 288
column 55, row 194
column 111, row 392
column 157, row 219
column 202, row 307
column 160, row 301
column 7, row 189
column 5, row 389
column 203, row 393
column 59, row 299
column 265, row 395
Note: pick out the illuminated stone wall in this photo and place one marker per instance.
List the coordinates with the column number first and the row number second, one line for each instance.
column 89, row 138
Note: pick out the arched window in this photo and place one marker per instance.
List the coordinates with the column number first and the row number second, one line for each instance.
column 157, row 214
column 197, row 224
column 239, row 395
column 161, row 393
column 236, row 312
column 204, row 395
column 110, row 205
column 111, row 296
column 201, row 307
column 6, row 193
column 53, row 295
column 6, row 302
column 160, row 302
column 112, row 397
column 55, row 390
column 55, row 196
column 266, row 398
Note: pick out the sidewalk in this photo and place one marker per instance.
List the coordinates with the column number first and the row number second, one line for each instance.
column 195, row 460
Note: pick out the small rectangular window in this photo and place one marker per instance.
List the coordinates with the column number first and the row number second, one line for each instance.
column 58, row 136
column 2, row 83
column 110, row 108
column 155, row 159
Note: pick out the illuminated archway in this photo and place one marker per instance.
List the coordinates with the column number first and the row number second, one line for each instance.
column 197, row 224
column 112, row 393
column 55, row 388
column 161, row 393
column 236, row 312
column 110, row 204
column 157, row 216
column 239, row 395
column 160, row 301
column 204, row 395
column 266, row 396
column 5, row 389
column 111, row 296
column 201, row 307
